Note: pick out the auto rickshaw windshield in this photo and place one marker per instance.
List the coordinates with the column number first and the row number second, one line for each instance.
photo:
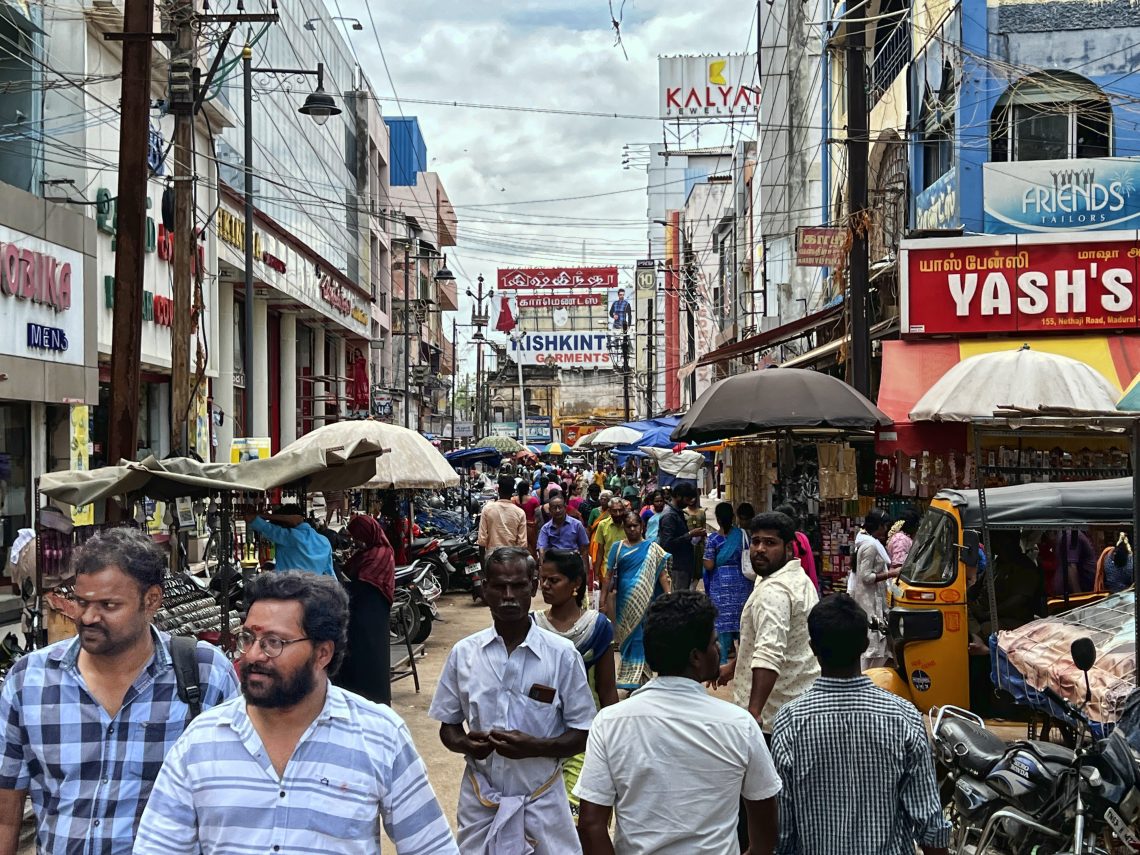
column 933, row 559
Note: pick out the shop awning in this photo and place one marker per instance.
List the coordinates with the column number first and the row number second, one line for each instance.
column 878, row 331
column 910, row 368
column 772, row 337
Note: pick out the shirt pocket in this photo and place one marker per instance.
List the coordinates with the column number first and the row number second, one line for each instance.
column 149, row 745
column 537, row 718
column 342, row 808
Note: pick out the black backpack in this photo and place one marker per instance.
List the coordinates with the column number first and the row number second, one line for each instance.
column 184, row 655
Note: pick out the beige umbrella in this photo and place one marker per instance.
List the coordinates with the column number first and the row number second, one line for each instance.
column 585, row 440
column 617, row 435
column 409, row 461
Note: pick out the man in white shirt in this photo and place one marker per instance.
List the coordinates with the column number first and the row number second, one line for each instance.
column 671, row 737
column 774, row 663
column 523, row 693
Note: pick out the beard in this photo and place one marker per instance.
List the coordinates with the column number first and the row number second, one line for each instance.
column 278, row 691
column 98, row 640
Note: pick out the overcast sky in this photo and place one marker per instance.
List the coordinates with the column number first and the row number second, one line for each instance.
column 557, row 54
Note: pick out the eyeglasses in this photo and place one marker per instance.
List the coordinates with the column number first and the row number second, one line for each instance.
column 270, row 645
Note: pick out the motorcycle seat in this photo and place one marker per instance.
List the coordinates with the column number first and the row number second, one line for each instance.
column 976, row 749
column 1050, row 752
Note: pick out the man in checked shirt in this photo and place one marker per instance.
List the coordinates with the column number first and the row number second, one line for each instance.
column 87, row 722
column 856, row 764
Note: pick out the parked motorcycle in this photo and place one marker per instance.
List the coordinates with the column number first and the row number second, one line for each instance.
column 1038, row 797
column 467, row 570
column 413, row 608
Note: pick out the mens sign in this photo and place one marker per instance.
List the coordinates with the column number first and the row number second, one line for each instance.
column 1027, row 283
column 581, row 349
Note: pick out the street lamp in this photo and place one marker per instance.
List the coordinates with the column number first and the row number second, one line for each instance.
column 479, row 319
column 319, row 106
column 442, row 276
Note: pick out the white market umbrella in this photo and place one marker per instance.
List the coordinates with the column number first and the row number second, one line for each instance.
column 585, row 440
column 1024, row 378
column 618, row 435
column 409, row 461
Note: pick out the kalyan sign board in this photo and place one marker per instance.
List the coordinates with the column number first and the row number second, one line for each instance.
column 707, row 87
column 536, row 278
column 1021, row 283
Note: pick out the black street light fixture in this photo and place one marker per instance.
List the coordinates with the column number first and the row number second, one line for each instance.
column 319, row 106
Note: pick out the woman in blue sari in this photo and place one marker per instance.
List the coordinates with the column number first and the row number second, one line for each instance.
column 725, row 584
column 639, row 573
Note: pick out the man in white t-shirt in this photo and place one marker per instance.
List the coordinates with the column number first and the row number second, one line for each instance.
column 672, row 738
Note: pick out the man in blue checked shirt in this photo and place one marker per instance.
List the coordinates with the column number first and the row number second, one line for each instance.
column 297, row 765
column 87, row 721
column 857, row 767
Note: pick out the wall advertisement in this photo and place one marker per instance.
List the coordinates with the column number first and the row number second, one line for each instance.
column 41, row 299
column 1093, row 194
column 1027, row 283
column 707, row 87
column 582, row 349
column 936, row 208
column 532, row 278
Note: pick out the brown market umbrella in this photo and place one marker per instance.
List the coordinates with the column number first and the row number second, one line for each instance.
column 775, row 399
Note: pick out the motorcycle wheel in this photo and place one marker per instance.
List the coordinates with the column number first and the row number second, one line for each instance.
column 423, row 628
column 441, row 576
column 404, row 622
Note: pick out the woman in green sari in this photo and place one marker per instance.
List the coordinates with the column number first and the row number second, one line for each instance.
column 639, row 573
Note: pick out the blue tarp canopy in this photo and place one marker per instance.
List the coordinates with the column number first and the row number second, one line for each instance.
column 469, row 456
column 654, row 433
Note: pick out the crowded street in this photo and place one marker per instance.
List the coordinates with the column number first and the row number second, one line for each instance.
column 569, row 428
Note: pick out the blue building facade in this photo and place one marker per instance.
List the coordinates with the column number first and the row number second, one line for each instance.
column 1024, row 119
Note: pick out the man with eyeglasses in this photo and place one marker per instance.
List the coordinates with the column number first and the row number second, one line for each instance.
column 87, row 721
column 295, row 764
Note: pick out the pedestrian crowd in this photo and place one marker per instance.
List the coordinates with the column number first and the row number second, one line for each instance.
column 590, row 725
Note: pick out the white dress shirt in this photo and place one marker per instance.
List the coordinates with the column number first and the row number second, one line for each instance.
column 673, row 761
column 774, row 636
column 484, row 687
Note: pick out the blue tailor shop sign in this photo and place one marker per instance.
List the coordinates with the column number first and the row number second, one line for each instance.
column 1094, row 194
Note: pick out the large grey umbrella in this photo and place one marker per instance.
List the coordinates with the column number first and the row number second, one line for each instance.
column 503, row 444
column 776, row 398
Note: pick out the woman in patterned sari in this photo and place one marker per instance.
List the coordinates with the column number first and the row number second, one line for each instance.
column 639, row 573
column 562, row 580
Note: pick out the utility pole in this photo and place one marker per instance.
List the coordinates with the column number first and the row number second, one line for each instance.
column 625, row 367
column 857, row 146
column 182, row 95
column 650, row 356
column 454, row 381
column 130, row 233
column 406, row 316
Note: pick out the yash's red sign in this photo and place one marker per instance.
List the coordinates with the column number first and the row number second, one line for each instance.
column 1020, row 283
column 531, row 278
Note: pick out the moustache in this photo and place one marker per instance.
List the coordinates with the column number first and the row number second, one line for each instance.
column 257, row 669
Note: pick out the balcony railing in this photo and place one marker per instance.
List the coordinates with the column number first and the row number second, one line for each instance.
column 890, row 59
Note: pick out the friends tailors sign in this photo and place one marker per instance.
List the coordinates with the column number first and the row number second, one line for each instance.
column 1020, row 283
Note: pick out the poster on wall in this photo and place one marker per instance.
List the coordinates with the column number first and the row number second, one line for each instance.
column 250, row 448
column 620, row 311
column 80, row 451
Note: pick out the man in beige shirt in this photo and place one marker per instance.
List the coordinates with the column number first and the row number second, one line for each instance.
column 774, row 663
column 502, row 523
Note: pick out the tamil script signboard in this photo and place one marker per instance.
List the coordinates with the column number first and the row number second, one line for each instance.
column 707, row 87
column 582, row 349
column 539, row 278
column 1026, row 283
column 1092, row 194
column 558, row 301
column 820, row 246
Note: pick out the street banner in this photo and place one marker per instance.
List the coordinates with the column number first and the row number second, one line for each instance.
column 1020, row 283
column 707, row 87
column 532, row 278
column 464, row 430
column 821, row 246
column 583, row 349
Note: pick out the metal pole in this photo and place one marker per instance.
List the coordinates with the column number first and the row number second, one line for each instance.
column 247, row 306
column 407, row 339
column 1135, row 530
column 650, row 356
column 625, row 369
column 522, row 398
column 857, row 144
column 130, row 236
column 454, row 381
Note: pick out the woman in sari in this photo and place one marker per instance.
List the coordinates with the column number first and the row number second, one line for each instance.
column 638, row 574
column 562, row 578
column 529, row 504
column 724, row 581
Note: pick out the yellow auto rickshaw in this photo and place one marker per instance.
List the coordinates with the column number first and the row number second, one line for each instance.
column 928, row 617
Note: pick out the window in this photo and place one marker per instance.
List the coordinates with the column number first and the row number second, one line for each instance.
column 933, row 559
column 936, row 125
column 1058, row 117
